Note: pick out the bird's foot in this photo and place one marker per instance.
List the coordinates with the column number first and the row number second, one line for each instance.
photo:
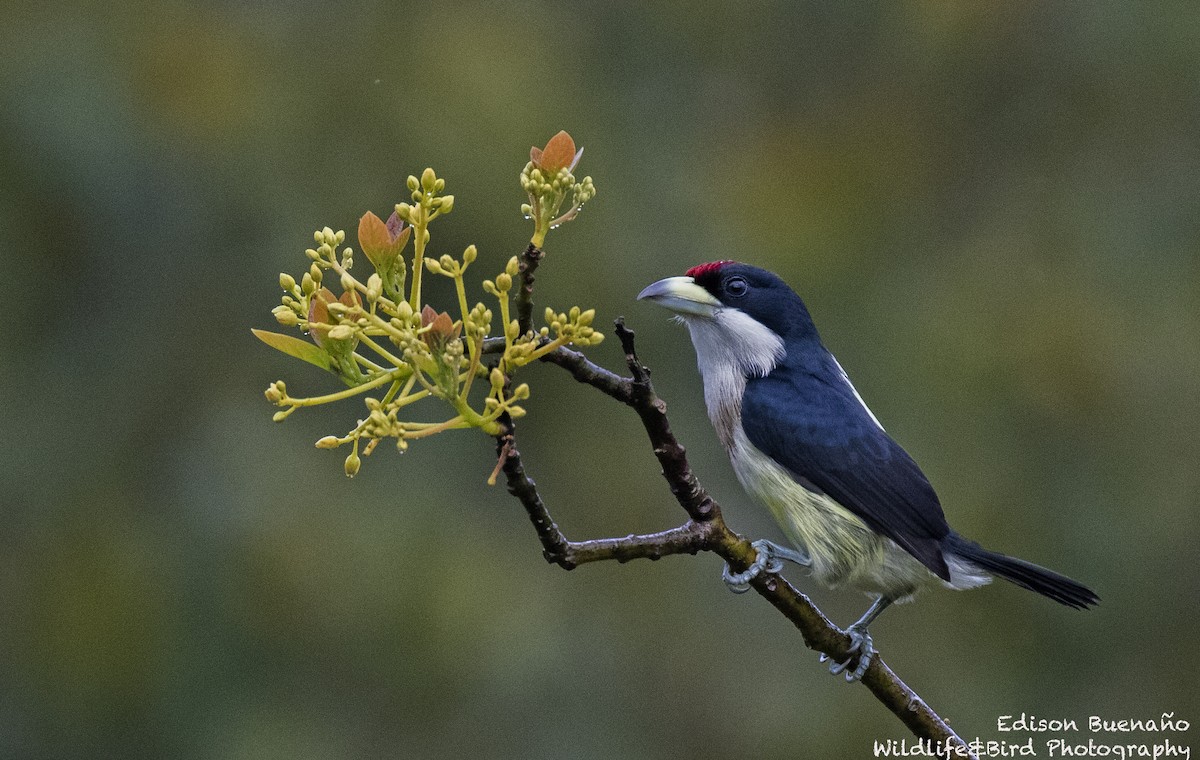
column 861, row 649
column 770, row 559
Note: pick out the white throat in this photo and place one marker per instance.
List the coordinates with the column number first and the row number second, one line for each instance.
column 731, row 347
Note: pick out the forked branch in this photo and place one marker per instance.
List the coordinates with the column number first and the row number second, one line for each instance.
column 705, row 529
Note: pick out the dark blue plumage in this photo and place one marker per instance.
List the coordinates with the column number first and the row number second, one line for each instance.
column 826, row 439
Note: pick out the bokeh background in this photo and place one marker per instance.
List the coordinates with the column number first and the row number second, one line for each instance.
column 991, row 209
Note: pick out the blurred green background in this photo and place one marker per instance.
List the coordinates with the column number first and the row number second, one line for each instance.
column 990, row 208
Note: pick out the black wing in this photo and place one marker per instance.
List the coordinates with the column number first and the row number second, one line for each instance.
column 819, row 429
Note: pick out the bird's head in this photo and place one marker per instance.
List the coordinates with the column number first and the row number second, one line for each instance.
column 737, row 312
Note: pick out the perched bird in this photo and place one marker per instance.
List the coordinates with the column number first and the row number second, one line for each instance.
column 856, row 506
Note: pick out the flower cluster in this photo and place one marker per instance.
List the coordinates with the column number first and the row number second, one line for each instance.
column 379, row 336
column 548, row 180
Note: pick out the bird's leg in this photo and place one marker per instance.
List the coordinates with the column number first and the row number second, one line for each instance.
column 770, row 558
column 860, row 641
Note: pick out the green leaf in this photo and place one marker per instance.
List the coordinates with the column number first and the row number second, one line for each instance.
column 300, row 349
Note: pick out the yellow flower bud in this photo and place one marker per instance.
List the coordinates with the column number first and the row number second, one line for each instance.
column 503, row 281
column 285, row 316
column 513, row 267
column 497, row 377
column 328, row 442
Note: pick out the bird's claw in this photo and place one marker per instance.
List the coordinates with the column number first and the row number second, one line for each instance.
column 770, row 558
column 860, row 642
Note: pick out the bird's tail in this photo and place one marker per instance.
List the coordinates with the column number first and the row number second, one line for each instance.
column 1025, row 574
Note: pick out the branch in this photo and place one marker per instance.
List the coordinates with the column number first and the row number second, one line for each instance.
column 529, row 260
column 689, row 538
column 705, row 531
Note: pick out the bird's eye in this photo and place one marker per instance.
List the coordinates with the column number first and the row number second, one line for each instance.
column 736, row 287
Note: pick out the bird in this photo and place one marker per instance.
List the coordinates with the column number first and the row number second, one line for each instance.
column 856, row 507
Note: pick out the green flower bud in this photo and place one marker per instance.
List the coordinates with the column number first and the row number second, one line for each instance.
column 521, row 391
column 307, row 284
column 512, row 330
column 273, row 395
column 549, row 315
column 489, row 287
column 328, row 442
column 497, row 377
column 447, row 263
column 469, row 254
column 316, row 272
column 433, row 266
column 341, row 332
column 347, row 281
column 404, row 311
column 447, row 203
column 439, row 186
column 428, row 180
column 413, row 183
column 280, row 416
column 403, row 210
column 286, row 281
column 374, row 286
column 503, row 281
column 353, row 463
column 513, row 267
column 327, row 236
column 312, row 253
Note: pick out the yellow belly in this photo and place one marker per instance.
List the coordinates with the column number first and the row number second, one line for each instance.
column 845, row 552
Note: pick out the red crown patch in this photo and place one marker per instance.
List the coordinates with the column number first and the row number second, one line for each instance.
column 701, row 270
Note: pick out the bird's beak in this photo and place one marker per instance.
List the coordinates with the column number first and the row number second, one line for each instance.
column 681, row 295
